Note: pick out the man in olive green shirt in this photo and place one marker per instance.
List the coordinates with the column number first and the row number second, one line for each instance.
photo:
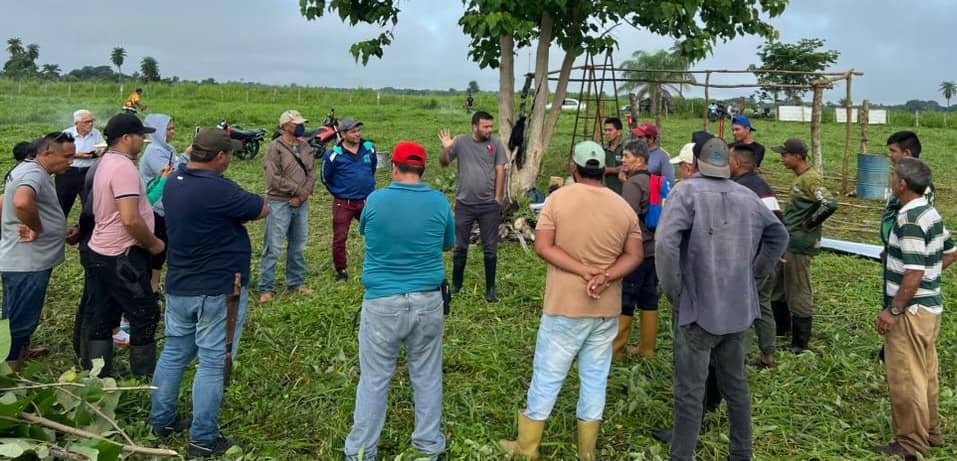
column 613, row 152
column 811, row 204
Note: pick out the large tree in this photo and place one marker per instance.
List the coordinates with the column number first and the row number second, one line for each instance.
column 50, row 71
column 23, row 61
column 497, row 27
column 947, row 89
column 150, row 69
column 806, row 55
column 117, row 57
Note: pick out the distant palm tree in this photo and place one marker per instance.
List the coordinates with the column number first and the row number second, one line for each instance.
column 50, row 71
column 150, row 69
column 948, row 89
column 117, row 57
column 671, row 60
column 15, row 46
column 33, row 52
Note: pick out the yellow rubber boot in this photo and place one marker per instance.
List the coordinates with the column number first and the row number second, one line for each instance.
column 587, row 439
column 624, row 331
column 529, row 438
column 649, row 333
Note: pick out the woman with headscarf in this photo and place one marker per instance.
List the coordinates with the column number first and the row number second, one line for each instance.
column 157, row 163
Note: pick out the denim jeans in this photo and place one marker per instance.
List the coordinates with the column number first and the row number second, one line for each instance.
column 285, row 223
column 195, row 325
column 694, row 348
column 23, row 297
column 560, row 341
column 416, row 321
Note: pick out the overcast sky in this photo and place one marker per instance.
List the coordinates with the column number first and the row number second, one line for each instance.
column 904, row 48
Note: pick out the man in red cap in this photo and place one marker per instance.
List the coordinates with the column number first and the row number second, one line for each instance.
column 659, row 162
column 406, row 226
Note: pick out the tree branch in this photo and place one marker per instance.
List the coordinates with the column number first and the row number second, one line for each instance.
column 34, row 419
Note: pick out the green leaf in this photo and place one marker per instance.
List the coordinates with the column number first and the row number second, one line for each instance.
column 11, row 449
column 108, row 451
column 5, row 340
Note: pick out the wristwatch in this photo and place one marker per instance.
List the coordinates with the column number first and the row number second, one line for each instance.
column 895, row 311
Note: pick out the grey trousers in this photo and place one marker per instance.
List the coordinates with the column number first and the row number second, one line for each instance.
column 694, row 348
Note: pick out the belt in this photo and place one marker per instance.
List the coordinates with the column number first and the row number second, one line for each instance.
column 351, row 202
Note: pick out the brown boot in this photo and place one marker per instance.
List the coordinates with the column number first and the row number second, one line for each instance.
column 649, row 333
column 587, row 439
column 529, row 438
column 624, row 331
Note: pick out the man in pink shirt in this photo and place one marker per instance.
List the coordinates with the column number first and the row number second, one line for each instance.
column 120, row 250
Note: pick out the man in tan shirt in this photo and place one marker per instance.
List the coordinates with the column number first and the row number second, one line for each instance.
column 589, row 237
column 290, row 178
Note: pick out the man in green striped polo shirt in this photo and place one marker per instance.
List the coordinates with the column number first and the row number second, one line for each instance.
column 918, row 249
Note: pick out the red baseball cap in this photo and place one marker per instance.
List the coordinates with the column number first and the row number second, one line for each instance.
column 645, row 129
column 409, row 153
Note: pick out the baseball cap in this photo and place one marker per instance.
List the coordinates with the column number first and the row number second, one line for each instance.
column 348, row 124
column 215, row 140
column 589, row 154
column 645, row 129
column 409, row 153
column 123, row 124
column 713, row 159
column 291, row 116
column 699, row 138
column 792, row 146
column 685, row 156
column 743, row 121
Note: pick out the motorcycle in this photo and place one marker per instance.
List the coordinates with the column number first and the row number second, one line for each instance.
column 251, row 139
column 321, row 136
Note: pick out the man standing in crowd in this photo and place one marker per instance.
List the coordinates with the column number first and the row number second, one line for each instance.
column 159, row 159
column 34, row 234
column 918, row 250
column 290, row 178
column 740, row 240
column 204, row 216
column 900, row 145
column 85, row 137
column 684, row 161
column 640, row 288
column 742, row 131
column 589, row 237
column 121, row 247
column 348, row 172
column 658, row 160
column 481, row 193
column 407, row 227
column 811, row 204
column 613, row 134
column 744, row 172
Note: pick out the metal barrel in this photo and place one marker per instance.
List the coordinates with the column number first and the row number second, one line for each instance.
column 872, row 176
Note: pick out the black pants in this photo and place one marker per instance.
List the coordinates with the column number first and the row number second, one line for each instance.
column 159, row 230
column 68, row 187
column 120, row 285
column 488, row 216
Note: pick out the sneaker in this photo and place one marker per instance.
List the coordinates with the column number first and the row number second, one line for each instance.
column 124, row 324
column 342, row 276
column 265, row 298
column 34, row 353
column 121, row 338
column 218, row 447
column 175, row 427
column 896, row 449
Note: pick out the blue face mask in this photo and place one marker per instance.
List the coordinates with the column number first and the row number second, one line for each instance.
column 300, row 130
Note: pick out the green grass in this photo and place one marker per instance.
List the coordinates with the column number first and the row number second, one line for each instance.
column 294, row 387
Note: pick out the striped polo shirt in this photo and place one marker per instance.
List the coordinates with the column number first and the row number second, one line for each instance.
column 918, row 241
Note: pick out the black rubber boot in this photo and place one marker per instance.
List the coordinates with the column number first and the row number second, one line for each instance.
column 490, row 294
column 143, row 360
column 782, row 318
column 102, row 348
column 800, row 334
column 459, row 258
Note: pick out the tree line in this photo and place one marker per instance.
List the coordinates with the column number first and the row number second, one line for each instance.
column 22, row 64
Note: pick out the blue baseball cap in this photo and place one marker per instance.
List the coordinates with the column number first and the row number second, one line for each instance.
column 743, row 121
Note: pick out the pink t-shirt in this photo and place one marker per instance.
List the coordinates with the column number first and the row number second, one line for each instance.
column 116, row 179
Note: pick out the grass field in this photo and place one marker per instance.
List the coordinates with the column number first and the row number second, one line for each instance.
column 293, row 393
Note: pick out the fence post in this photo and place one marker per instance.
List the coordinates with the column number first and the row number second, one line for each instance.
column 847, row 138
column 707, row 82
column 816, row 110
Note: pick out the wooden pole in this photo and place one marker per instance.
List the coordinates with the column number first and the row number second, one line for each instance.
column 865, row 120
column 847, row 137
column 707, row 83
column 816, row 110
column 741, row 105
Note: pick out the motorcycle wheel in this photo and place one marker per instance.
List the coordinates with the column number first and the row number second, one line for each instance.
column 249, row 151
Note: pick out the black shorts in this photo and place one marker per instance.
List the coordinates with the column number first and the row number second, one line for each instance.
column 640, row 289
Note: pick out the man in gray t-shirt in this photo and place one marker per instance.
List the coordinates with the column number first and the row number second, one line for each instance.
column 34, row 233
column 481, row 172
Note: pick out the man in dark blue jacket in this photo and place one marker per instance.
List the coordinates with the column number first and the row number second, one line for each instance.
column 348, row 171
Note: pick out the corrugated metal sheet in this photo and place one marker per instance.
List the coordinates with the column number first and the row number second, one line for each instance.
column 863, row 250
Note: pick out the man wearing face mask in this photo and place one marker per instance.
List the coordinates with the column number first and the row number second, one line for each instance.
column 290, row 178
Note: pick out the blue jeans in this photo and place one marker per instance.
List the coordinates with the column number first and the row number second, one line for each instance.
column 23, row 297
column 195, row 325
column 560, row 341
column 416, row 321
column 292, row 224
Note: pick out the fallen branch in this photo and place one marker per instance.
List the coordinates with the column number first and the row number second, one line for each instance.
column 102, row 415
column 105, row 389
column 34, row 419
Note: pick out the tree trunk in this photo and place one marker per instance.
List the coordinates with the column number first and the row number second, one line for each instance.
column 506, row 88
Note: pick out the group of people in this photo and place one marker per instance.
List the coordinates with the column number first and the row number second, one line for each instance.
column 716, row 243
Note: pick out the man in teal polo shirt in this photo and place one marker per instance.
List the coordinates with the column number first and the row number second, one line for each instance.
column 406, row 226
